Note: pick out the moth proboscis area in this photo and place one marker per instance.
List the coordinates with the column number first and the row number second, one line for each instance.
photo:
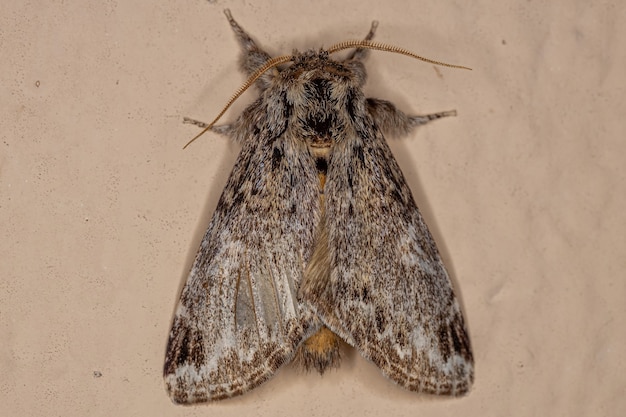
column 316, row 238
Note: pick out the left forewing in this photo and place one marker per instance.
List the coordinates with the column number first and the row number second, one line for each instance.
column 238, row 319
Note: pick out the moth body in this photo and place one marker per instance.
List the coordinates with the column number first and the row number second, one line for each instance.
column 315, row 239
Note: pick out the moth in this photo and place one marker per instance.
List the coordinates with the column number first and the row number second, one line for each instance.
column 316, row 239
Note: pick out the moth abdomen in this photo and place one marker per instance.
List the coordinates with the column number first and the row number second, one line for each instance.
column 320, row 352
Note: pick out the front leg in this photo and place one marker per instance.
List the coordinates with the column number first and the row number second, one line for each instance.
column 226, row 130
column 252, row 57
column 394, row 122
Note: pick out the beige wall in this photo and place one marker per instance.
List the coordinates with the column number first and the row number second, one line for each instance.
column 101, row 211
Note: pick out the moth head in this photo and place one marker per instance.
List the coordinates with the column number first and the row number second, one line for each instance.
column 318, row 72
column 319, row 90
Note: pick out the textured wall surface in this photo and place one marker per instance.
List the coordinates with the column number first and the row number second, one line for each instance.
column 101, row 211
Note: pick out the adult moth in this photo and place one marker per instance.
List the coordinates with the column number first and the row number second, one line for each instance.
column 316, row 238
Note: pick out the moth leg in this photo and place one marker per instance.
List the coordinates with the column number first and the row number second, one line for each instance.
column 394, row 122
column 226, row 130
column 252, row 57
column 360, row 54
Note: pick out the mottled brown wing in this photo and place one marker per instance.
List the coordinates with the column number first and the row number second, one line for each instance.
column 389, row 293
column 238, row 319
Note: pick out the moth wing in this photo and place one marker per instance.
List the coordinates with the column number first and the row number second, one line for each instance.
column 389, row 294
column 238, row 319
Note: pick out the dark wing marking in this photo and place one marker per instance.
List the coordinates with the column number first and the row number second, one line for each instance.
column 389, row 294
column 238, row 319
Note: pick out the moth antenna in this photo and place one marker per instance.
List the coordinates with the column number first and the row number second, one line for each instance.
column 268, row 65
column 367, row 44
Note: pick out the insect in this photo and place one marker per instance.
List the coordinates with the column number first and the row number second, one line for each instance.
column 316, row 239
